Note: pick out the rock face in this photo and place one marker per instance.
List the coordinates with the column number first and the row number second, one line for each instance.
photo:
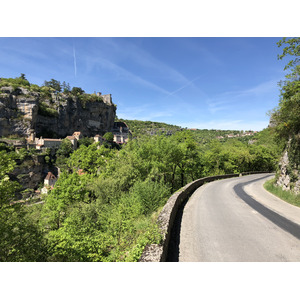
column 17, row 110
column 284, row 178
column 289, row 176
column 29, row 172
column 57, row 115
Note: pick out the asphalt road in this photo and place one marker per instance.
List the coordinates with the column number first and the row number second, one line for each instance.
column 236, row 220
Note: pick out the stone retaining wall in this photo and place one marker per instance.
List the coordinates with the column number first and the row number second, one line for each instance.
column 158, row 253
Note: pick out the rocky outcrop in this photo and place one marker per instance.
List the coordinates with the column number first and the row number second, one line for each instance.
column 288, row 175
column 29, row 173
column 57, row 115
column 17, row 110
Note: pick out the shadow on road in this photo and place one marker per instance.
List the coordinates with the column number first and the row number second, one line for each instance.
column 173, row 250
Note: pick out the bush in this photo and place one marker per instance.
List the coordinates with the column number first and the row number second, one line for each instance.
column 17, row 82
column 77, row 91
column 151, row 195
column 35, row 88
column 109, row 136
column 47, row 111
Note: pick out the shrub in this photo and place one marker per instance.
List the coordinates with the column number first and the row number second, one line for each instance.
column 150, row 194
column 47, row 111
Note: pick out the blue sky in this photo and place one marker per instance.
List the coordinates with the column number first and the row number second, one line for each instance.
column 197, row 82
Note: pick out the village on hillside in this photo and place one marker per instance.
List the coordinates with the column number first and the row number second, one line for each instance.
column 121, row 135
column 120, row 132
column 248, row 133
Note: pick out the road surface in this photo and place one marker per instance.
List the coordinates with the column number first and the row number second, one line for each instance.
column 236, row 220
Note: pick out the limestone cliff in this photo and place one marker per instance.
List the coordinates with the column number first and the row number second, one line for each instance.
column 289, row 166
column 56, row 115
column 29, row 173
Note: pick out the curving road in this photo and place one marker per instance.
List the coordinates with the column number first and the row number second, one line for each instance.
column 237, row 220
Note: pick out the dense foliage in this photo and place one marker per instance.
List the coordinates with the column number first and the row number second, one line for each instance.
column 105, row 202
column 21, row 239
column 286, row 115
column 47, row 89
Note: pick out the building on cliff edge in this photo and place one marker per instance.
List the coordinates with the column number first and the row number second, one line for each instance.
column 121, row 133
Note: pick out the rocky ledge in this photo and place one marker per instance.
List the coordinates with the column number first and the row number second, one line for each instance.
column 57, row 115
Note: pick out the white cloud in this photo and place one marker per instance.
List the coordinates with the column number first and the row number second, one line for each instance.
column 184, row 86
column 111, row 54
column 131, row 51
column 231, row 99
column 125, row 74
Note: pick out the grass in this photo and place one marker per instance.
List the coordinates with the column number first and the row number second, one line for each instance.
column 287, row 196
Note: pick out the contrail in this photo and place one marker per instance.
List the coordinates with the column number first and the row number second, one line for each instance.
column 181, row 88
column 74, row 55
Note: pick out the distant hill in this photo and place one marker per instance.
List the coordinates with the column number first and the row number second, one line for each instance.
column 140, row 128
column 202, row 136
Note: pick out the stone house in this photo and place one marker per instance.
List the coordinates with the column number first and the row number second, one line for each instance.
column 47, row 143
column 55, row 143
column 73, row 140
column 49, row 183
column 98, row 138
column 77, row 135
column 121, row 132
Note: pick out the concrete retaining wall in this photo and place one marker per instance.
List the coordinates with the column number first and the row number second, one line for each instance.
column 158, row 253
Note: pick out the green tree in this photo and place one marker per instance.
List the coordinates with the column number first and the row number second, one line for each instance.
column 55, row 84
column 21, row 240
column 86, row 141
column 69, row 189
column 286, row 116
column 109, row 136
column 20, row 237
column 91, row 159
column 291, row 49
column 77, row 91
column 150, row 194
column 64, row 151
column 83, row 236
column 65, row 87
column 7, row 187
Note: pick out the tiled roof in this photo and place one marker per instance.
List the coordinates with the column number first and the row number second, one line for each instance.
column 52, row 140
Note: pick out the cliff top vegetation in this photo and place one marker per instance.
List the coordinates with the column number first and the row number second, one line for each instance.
column 49, row 88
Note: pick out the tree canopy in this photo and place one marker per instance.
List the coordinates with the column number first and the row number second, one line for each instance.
column 286, row 115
